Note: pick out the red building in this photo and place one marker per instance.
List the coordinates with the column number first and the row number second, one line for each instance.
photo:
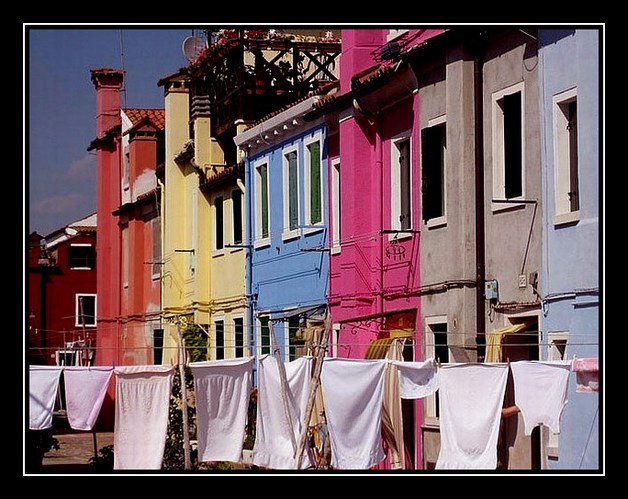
column 62, row 295
column 129, row 145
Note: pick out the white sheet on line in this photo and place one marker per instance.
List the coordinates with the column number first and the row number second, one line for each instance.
column 541, row 392
column 273, row 445
column 222, row 397
column 85, row 390
column 141, row 416
column 417, row 379
column 43, row 384
column 353, row 392
column 471, row 398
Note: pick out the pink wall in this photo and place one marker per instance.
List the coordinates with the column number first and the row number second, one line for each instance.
column 373, row 276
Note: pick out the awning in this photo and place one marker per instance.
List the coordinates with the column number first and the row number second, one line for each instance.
column 494, row 341
column 378, row 348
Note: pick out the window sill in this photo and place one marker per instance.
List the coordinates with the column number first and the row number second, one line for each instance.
column 290, row 235
column 400, row 236
column 81, row 268
column 262, row 243
column 507, row 206
column 335, row 250
column 436, row 223
column 313, row 230
column 571, row 217
column 218, row 253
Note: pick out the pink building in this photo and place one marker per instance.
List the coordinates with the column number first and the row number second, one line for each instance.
column 375, row 200
column 129, row 146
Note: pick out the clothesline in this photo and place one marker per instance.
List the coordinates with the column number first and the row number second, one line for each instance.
column 353, row 417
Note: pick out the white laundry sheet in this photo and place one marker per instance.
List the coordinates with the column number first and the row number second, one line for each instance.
column 273, row 444
column 43, row 384
column 541, row 392
column 222, row 397
column 85, row 390
column 471, row 398
column 353, row 392
column 141, row 416
column 417, row 379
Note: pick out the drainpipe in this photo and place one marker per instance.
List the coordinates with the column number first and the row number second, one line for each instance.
column 379, row 158
column 249, row 263
column 478, row 84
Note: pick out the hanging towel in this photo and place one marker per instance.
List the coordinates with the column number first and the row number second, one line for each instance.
column 222, row 399
column 353, row 393
column 141, row 416
column 85, row 390
column 43, row 384
column 587, row 374
column 541, row 391
column 273, row 444
column 471, row 398
column 417, row 379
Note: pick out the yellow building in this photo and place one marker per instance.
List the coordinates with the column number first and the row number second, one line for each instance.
column 203, row 217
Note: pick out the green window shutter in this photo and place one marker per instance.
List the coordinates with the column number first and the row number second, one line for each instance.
column 293, row 198
column 264, row 189
column 315, row 182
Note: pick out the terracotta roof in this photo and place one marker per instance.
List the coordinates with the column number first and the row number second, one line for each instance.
column 156, row 116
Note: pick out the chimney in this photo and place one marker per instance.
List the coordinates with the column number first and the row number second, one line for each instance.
column 108, row 83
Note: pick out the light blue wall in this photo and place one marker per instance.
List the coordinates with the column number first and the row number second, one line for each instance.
column 284, row 276
column 570, row 279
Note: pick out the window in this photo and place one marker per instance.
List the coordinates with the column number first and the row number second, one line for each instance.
column 336, row 207
column 401, row 185
column 158, row 346
column 508, row 143
column 85, row 310
column 314, row 181
column 236, row 209
column 293, row 339
column 436, row 347
column 290, row 192
column 82, row 256
column 264, row 335
column 262, row 203
column 238, row 330
column 433, row 149
column 219, row 223
column 219, row 328
column 156, row 226
column 567, row 190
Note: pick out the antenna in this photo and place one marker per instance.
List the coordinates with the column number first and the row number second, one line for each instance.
column 193, row 46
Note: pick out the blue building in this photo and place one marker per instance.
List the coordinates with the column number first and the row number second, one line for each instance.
column 570, row 72
column 288, row 240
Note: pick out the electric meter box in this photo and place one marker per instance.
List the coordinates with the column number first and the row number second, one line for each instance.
column 490, row 290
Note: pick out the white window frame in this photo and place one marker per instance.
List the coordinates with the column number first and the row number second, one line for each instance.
column 441, row 221
column 318, row 226
column 498, row 147
column 245, row 345
column 336, row 199
column 219, row 318
column 562, row 170
column 232, row 217
column 430, row 352
column 216, row 251
column 157, row 258
column 77, row 309
column 259, row 240
column 395, row 185
column 288, row 233
column 81, row 245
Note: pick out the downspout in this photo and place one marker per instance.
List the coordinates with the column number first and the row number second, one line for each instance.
column 478, row 86
column 379, row 155
column 249, row 263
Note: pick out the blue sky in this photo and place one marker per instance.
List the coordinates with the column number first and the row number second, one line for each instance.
column 60, row 107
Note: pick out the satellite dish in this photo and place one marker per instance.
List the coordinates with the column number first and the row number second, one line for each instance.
column 193, row 46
